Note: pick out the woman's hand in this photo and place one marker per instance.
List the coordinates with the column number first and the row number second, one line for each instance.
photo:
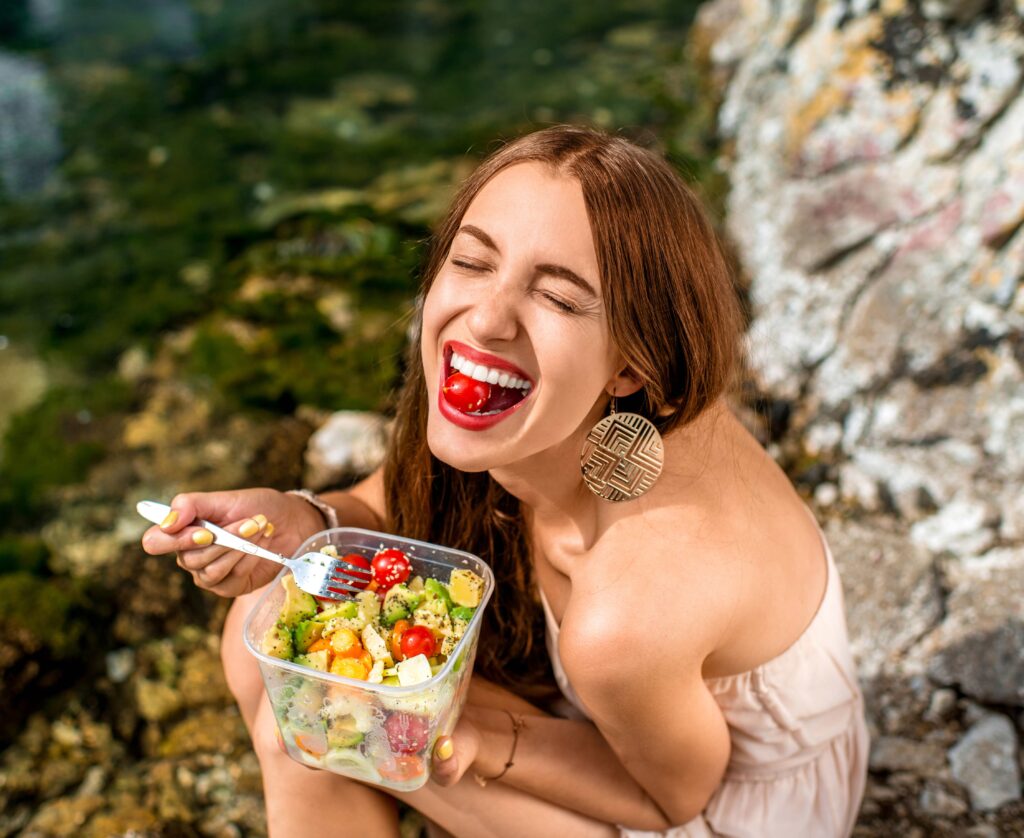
column 453, row 755
column 275, row 520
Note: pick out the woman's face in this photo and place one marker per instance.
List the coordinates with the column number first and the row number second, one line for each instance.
column 516, row 302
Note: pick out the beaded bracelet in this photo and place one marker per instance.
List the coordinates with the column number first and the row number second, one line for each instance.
column 517, row 725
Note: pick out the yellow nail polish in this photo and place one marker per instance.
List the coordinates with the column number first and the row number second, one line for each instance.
column 248, row 528
column 261, row 520
column 172, row 516
column 445, row 750
column 268, row 530
column 202, row 537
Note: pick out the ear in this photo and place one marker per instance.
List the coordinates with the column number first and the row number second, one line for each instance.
column 625, row 383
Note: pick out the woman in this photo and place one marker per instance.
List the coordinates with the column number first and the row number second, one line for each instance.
column 697, row 629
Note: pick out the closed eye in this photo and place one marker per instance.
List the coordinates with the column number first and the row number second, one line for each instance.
column 561, row 305
column 564, row 306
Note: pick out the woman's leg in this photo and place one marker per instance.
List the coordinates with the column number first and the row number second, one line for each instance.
column 300, row 801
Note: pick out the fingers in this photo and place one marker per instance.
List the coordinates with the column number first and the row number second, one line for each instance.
column 445, row 770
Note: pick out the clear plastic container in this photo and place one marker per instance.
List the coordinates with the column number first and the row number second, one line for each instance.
column 343, row 725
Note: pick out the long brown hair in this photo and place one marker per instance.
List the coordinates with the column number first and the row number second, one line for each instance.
column 673, row 313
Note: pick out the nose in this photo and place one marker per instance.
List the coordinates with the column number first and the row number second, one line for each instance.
column 494, row 315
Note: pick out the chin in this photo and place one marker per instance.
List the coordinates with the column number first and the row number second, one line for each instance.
column 454, row 452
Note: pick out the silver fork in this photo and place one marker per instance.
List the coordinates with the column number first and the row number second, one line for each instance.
column 315, row 573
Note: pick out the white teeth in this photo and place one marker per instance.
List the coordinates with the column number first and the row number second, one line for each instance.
column 479, row 372
column 526, row 386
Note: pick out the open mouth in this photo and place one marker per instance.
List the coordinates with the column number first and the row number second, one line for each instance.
column 481, row 390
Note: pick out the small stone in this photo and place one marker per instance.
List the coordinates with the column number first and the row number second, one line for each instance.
column 350, row 443
column 826, row 494
column 941, row 706
column 897, row 753
column 156, row 700
column 984, row 761
column 120, row 664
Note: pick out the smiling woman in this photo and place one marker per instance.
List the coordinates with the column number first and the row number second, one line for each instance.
column 696, row 633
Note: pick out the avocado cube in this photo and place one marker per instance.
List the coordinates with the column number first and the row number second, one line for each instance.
column 277, row 642
column 306, row 634
column 298, row 605
column 437, row 590
column 315, row 660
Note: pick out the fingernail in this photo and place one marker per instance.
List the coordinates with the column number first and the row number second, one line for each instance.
column 250, row 527
column 261, row 520
column 202, row 537
column 445, row 750
column 172, row 516
column 268, row 530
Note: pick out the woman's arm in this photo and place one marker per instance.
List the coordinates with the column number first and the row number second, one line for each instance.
column 564, row 762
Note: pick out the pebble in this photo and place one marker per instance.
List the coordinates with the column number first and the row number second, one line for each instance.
column 984, row 761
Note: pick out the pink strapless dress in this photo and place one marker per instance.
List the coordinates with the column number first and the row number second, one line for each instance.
column 799, row 755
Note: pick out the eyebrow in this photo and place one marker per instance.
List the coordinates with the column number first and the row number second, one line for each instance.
column 560, row 271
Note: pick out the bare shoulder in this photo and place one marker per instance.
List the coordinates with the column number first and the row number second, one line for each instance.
column 658, row 585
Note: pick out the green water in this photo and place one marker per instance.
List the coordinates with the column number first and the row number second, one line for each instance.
column 178, row 149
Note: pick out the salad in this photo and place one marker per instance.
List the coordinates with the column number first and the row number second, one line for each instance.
column 399, row 631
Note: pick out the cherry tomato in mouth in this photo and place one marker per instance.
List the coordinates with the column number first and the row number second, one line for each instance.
column 390, row 567
column 417, row 640
column 465, row 394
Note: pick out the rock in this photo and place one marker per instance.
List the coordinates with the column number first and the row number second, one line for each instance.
column 891, row 594
column 936, row 799
column 941, row 706
column 120, row 664
column 350, row 443
column 156, row 700
column 208, row 730
column 896, row 753
column 980, row 643
column 29, row 141
column 202, row 679
column 62, row 818
column 960, row 527
column 985, row 763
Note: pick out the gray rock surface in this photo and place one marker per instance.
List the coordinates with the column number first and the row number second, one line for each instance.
column 980, row 644
column 876, row 162
column 985, row 762
column 892, row 595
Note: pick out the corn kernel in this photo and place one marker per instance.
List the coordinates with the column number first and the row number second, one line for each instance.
column 268, row 530
column 248, row 528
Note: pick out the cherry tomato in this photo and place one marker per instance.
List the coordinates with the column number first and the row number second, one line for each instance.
column 397, row 630
column 407, row 734
column 390, row 568
column 364, row 579
column 417, row 640
column 402, row 769
column 465, row 394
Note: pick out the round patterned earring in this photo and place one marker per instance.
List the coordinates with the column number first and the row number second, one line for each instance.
column 622, row 456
